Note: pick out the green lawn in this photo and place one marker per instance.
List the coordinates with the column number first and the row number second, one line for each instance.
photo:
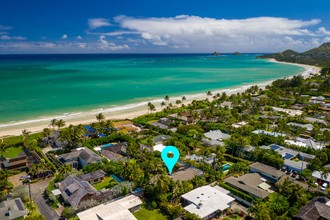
column 108, row 182
column 233, row 217
column 145, row 214
column 12, row 152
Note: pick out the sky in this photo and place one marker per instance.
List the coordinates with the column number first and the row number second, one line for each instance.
column 159, row 26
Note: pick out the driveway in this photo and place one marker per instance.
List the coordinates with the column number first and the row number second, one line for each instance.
column 37, row 191
column 15, row 179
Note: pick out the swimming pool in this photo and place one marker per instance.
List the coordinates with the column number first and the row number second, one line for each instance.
column 118, row 180
column 106, row 145
column 225, row 167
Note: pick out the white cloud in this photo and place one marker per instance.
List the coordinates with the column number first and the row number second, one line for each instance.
column 79, row 37
column 64, row 36
column 7, row 37
column 209, row 34
column 46, row 45
column 94, row 23
column 5, row 28
column 323, row 31
column 105, row 45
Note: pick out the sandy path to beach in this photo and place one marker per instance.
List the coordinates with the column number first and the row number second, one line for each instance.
column 133, row 110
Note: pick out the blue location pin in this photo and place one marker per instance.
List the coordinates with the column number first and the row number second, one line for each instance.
column 170, row 162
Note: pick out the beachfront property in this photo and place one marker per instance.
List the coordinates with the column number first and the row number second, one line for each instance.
column 215, row 137
column 185, row 117
column 252, row 184
column 12, row 209
column 207, row 201
column 79, row 158
column 18, row 163
column 318, row 208
column 127, row 126
column 290, row 112
column 120, row 209
column 263, row 132
column 268, row 172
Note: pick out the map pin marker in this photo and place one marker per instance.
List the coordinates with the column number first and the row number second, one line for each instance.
column 170, row 161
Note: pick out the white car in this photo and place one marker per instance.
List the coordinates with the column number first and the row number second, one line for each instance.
column 324, row 186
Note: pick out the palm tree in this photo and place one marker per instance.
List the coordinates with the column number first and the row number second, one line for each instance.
column 162, row 104
column 166, row 98
column 209, row 93
column 100, row 117
column 178, row 102
column 184, row 98
column 60, row 123
column 151, row 107
column 53, row 123
column 25, row 134
column 65, row 169
column 3, row 147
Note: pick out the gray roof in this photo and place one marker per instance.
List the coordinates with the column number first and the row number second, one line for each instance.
column 16, row 208
column 310, row 143
column 84, row 154
column 297, row 165
column 161, row 138
column 73, row 190
column 263, row 168
column 111, row 155
column 309, row 127
column 186, row 174
column 160, row 125
column 317, row 174
column 284, row 150
column 315, row 209
column 275, row 134
column 216, row 135
column 93, row 175
column 249, row 183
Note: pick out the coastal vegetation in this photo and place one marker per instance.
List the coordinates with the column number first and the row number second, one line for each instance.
column 238, row 115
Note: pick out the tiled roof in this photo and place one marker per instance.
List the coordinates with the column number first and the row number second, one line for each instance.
column 267, row 169
column 316, row 209
column 93, row 175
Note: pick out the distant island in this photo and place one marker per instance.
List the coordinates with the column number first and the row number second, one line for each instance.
column 215, row 53
column 319, row 56
column 237, row 53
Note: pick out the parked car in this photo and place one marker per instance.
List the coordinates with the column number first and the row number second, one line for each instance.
column 283, row 168
column 294, row 174
column 324, row 186
column 289, row 172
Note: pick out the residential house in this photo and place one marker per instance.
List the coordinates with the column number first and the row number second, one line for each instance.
column 126, row 125
column 184, row 116
column 290, row 112
column 239, row 124
column 215, row 137
column 207, row 201
column 185, row 173
column 17, row 163
column 160, row 139
column 318, row 176
column 80, row 157
column 12, row 209
column 275, row 134
column 297, row 166
column 93, row 177
column 75, row 190
column 316, row 100
column 310, row 142
column 268, row 172
column 120, row 209
column 309, row 127
column 317, row 209
column 115, row 152
column 227, row 104
column 200, row 158
column 251, row 183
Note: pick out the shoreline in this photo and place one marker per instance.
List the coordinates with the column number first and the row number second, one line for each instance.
column 134, row 110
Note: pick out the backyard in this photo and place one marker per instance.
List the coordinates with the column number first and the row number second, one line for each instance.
column 13, row 152
column 146, row 214
column 108, row 182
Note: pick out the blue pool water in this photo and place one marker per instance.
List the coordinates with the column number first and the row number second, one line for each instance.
column 106, row 145
column 225, row 167
column 116, row 178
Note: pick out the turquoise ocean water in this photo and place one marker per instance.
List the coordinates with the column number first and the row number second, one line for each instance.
column 35, row 86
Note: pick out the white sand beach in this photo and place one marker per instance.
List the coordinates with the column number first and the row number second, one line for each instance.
column 129, row 111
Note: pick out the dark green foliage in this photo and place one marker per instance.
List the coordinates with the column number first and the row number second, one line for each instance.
column 238, row 192
column 269, row 157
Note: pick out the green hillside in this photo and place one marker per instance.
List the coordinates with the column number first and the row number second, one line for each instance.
column 319, row 56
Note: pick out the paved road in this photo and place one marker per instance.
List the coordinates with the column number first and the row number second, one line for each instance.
column 37, row 190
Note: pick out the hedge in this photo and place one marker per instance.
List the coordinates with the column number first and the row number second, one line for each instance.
column 231, row 158
column 238, row 193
